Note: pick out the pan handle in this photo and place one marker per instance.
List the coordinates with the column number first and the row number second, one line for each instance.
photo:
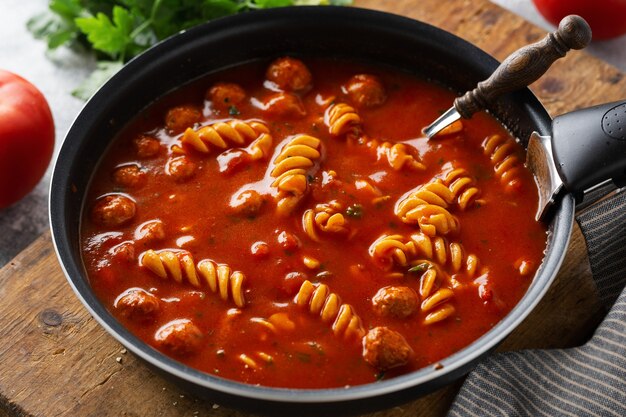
column 526, row 65
column 589, row 147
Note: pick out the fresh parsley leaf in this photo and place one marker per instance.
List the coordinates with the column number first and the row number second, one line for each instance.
column 104, row 71
column 110, row 37
column 266, row 4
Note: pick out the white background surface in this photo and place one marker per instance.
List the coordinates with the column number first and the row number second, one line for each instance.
column 57, row 74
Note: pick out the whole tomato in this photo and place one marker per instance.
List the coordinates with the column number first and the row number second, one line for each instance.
column 26, row 137
column 607, row 18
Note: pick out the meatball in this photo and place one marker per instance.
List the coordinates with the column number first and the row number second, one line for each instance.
column 146, row 146
column 180, row 168
column 180, row 118
column 366, row 91
column 285, row 105
column 150, row 231
column 180, row 337
column 113, row 210
column 399, row 302
column 247, row 203
column 224, row 95
column 136, row 302
column 289, row 74
column 130, row 176
column 385, row 349
column 125, row 251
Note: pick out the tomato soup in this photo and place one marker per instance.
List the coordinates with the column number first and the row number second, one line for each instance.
column 287, row 224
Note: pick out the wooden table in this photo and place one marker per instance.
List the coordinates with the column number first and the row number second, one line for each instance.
column 55, row 360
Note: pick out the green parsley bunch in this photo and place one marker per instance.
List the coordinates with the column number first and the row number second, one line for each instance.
column 118, row 30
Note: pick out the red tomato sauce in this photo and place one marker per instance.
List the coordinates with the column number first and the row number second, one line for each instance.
column 193, row 214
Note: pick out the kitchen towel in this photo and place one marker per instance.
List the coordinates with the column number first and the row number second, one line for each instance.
column 588, row 380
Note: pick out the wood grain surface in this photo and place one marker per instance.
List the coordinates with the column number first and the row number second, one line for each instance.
column 55, row 360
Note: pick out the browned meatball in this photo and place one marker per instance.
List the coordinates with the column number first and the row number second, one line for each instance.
column 224, row 95
column 285, row 105
column 150, row 231
column 137, row 302
column 366, row 90
column 289, row 74
column 113, row 210
column 180, row 337
column 395, row 301
column 146, row 146
column 130, row 176
column 180, row 118
column 385, row 349
column 180, row 168
column 125, row 251
column 247, row 203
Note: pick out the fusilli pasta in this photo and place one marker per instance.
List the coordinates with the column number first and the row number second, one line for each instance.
column 324, row 218
column 427, row 206
column 396, row 250
column 435, row 298
column 462, row 187
column 341, row 119
column 506, row 162
column 290, row 169
column 443, row 252
column 319, row 300
column 398, row 155
column 223, row 135
column 180, row 265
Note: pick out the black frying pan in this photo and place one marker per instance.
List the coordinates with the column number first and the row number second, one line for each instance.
column 318, row 31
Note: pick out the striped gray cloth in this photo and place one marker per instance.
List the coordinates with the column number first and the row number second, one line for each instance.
column 589, row 380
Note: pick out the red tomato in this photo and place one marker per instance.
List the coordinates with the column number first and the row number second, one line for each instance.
column 607, row 18
column 26, row 137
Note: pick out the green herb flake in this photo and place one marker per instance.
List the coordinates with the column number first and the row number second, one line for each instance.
column 233, row 111
column 419, row 268
column 355, row 211
column 380, row 376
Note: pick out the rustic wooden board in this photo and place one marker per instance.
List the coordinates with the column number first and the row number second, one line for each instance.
column 55, row 360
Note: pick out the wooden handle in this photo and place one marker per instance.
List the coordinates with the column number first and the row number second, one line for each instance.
column 526, row 65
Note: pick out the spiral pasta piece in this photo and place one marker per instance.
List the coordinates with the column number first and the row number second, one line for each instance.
column 398, row 155
column 435, row 298
column 319, row 300
column 506, row 163
column 180, row 267
column 222, row 279
column 341, row 119
column 390, row 250
column 223, row 135
column 462, row 187
column 324, row 218
column 290, row 169
column 427, row 206
column 438, row 249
